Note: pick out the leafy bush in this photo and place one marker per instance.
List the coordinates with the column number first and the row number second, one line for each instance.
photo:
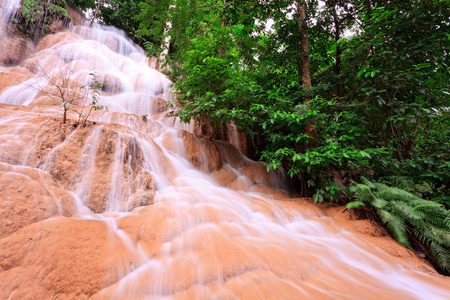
column 36, row 15
column 93, row 89
column 409, row 218
column 380, row 95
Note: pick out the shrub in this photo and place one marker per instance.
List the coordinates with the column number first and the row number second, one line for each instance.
column 410, row 219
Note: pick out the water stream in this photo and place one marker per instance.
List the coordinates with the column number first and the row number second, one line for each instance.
column 136, row 207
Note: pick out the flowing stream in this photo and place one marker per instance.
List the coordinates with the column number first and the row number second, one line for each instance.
column 137, row 207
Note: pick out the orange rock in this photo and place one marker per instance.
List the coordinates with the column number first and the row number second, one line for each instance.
column 29, row 196
column 60, row 257
column 201, row 153
column 14, row 48
column 13, row 76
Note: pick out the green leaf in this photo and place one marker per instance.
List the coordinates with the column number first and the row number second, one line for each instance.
column 355, row 204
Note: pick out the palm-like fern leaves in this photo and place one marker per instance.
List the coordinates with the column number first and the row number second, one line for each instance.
column 400, row 211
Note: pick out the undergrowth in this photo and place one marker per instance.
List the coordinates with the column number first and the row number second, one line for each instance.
column 410, row 219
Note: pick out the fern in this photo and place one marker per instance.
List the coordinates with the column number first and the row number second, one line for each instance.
column 441, row 254
column 355, row 204
column 402, row 182
column 406, row 211
column 400, row 210
column 396, row 226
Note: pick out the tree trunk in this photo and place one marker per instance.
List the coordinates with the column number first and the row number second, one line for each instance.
column 224, row 4
column 337, row 36
column 304, row 46
column 310, row 130
column 96, row 12
column 166, row 45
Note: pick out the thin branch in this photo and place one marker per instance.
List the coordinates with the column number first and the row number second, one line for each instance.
column 357, row 104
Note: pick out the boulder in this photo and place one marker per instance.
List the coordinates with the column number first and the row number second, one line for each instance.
column 62, row 258
column 14, row 48
column 87, row 161
column 30, row 196
column 201, row 153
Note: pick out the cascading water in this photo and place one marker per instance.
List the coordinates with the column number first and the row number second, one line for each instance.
column 134, row 207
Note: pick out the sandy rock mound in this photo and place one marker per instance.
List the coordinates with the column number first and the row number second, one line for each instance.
column 240, row 173
column 13, row 76
column 53, row 39
column 14, row 48
column 376, row 235
column 102, row 164
column 29, row 196
column 61, row 258
column 225, row 163
column 18, row 133
column 201, row 153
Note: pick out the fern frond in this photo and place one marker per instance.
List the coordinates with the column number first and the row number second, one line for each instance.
column 424, row 205
column 402, row 182
column 440, row 218
column 400, row 210
column 406, row 211
column 378, row 203
column 396, row 226
column 363, row 193
column 369, row 184
column 441, row 254
column 393, row 193
column 432, row 233
column 355, row 204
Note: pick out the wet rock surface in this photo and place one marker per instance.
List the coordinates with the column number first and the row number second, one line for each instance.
column 14, row 48
column 132, row 205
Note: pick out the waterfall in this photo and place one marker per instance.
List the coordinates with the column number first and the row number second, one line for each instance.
column 134, row 206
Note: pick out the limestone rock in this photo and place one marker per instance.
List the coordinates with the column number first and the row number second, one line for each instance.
column 13, row 76
column 61, row 257
column 201, row 153
column 29, row 196
column 14, row 48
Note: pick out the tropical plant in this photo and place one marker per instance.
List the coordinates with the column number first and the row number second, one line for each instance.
column 93, row 89
column 379, row 82
column 411, row 220
column 35, row 16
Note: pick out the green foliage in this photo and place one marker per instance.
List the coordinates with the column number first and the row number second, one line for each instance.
column 82, row 4
column 36, row 15
column 381, row 94
column 93, row 90
column 122, row 14
column 406, row 215
column 152, row 22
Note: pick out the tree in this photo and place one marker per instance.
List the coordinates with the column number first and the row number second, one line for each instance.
column 60, row 89
column 69, row 94
column 376, row 96
column 304, row 45
column 97, row 8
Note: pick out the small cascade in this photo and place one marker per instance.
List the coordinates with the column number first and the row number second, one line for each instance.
column 134, row 206
column 7, row 10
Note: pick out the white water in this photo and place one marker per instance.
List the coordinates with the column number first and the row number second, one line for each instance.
column 207, row 241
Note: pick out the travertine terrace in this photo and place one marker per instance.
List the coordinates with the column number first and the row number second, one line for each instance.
column 136, row 206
